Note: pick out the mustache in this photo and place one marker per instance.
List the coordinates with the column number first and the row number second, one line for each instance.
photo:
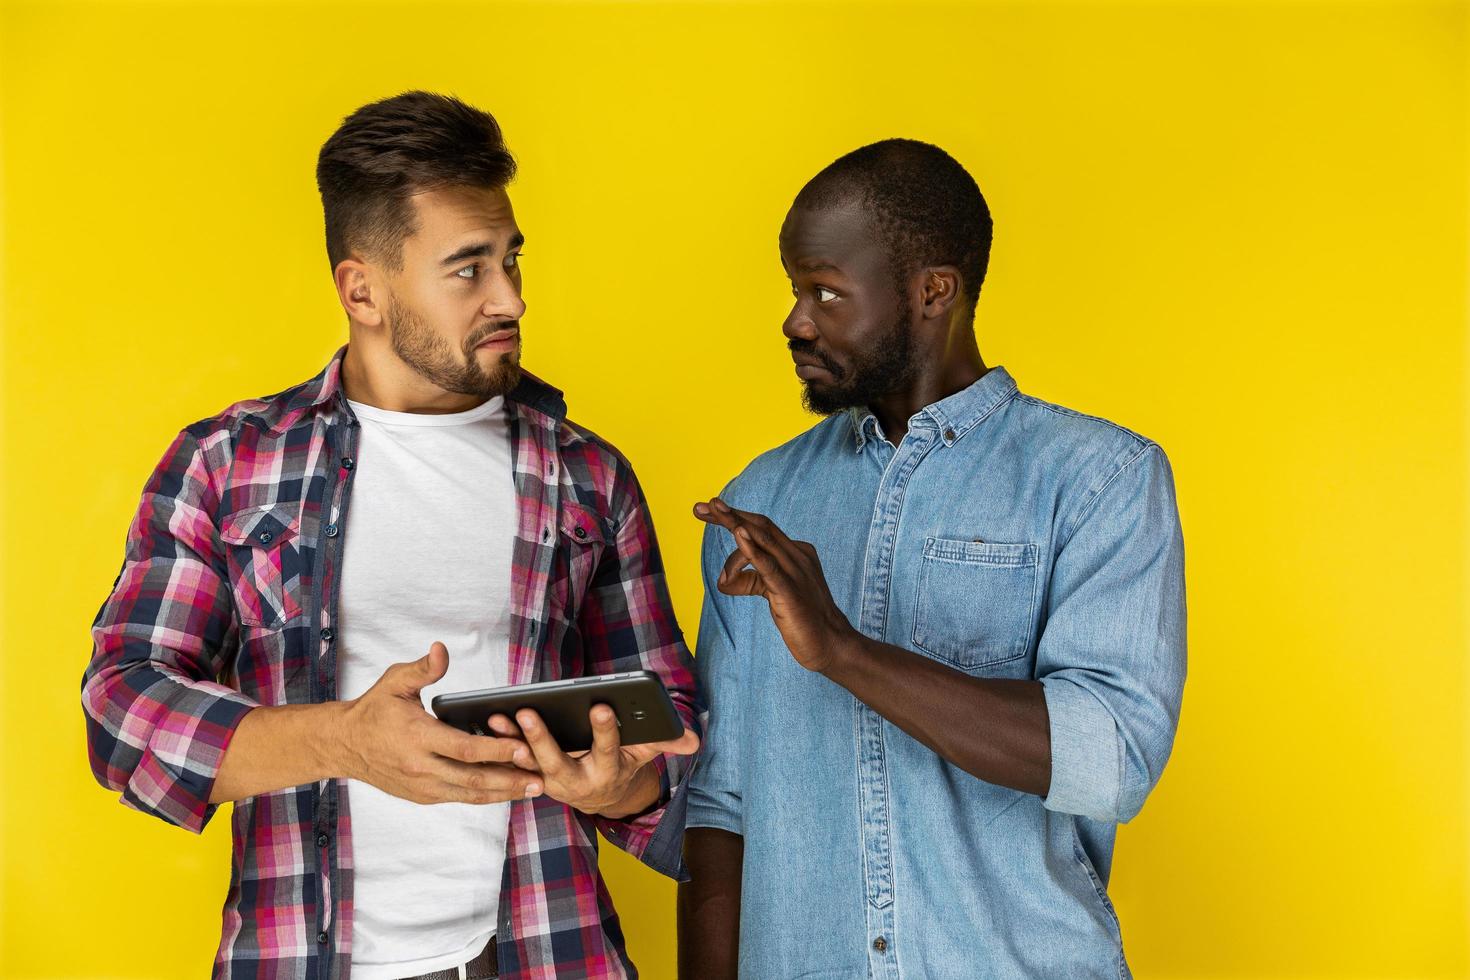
column 808, row 348
column 479, row 338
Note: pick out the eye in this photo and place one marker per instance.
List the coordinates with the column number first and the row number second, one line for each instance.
column 824, row 294
column 513, row 260
column 473, row 270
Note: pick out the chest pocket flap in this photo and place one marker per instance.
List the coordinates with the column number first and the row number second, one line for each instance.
column 583, row 537
column 583, row 525
column 264, row 559
column 260, row 526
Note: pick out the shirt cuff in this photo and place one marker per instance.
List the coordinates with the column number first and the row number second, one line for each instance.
column 655, row 835
column 175, row 777
column 705, row 812
column 1086, row 768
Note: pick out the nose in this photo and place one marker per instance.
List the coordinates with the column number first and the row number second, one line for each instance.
column 504, row 299
column 798, row 325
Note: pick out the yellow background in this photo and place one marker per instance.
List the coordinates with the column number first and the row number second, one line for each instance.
column 1238, row 228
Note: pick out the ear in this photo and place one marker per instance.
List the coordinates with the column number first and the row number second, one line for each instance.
column 359, row 290
column 939, row 287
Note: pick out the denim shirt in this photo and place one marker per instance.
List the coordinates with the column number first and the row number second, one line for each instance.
column 1004, row 537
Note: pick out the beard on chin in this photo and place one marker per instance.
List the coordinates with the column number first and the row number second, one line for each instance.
column 435, row 359
column 886, row 367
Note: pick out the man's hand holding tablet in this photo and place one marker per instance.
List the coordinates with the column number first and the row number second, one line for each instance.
column 589, row 739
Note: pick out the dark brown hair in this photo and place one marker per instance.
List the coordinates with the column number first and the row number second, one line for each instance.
column 388, row 151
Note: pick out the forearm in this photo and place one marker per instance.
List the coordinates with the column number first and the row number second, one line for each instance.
column 996, row 729
column 709, row 904
column 277, row 747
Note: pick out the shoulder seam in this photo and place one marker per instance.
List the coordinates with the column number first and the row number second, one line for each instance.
column 202, row 448
column 1107, row 484
column 617, row 463
column 1073, row 413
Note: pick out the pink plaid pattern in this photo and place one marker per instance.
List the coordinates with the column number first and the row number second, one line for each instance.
column 226, row 600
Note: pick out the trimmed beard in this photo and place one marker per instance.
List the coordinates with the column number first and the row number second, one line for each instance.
column 889, row 366
column 433, row 358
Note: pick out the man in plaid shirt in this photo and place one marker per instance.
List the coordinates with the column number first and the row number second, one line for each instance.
column 253, row 650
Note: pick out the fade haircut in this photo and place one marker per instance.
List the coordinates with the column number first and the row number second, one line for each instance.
column 386, row 152
column 925, row 208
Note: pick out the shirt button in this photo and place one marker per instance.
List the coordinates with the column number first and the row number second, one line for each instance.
column 327, row 633
column 880, row 944
column 347, row 462
column 581, row 532
column 322, row 937
column 265, row 537
column 331, row 530
column 321, row 840
column 949, row 435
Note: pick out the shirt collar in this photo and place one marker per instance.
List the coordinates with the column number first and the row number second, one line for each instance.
column 953, row 416
column 325, row 392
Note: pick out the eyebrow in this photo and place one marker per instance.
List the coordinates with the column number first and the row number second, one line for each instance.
column 816, row 265
column 476, row 250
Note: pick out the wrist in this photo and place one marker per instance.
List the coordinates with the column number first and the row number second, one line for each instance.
column 332, row 728
column 845, row 650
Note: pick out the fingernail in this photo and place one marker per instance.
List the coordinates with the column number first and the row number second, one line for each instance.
column 532, row 790
column 519, row 757
column 701, row 508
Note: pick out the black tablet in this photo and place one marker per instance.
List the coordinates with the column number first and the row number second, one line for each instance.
column 638, row 699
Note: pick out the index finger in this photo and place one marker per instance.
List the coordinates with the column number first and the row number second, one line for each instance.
column 716, row 511
column 759, row 521
column 455, row 744
column 706, row 511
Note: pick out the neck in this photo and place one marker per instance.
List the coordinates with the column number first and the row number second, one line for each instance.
column 374, row 375
column 955, row 368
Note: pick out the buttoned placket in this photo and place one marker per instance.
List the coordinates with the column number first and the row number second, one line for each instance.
column 341, row 444
column 873, row 786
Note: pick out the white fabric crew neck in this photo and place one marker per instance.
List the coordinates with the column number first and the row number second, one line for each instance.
column 383, row 415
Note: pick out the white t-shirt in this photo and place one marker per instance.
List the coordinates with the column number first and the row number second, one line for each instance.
column 426, row 556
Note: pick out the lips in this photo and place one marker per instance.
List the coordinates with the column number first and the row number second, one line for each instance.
column 811, row 368
column 811, row 364
column 499, row 338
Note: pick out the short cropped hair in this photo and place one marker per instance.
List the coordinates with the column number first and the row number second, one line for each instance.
column 387, row 151
column 926, row 209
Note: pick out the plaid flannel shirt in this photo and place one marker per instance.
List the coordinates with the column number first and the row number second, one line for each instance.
column 227, row 599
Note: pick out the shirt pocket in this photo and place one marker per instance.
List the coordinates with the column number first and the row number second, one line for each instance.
column 264, row 557
column 582, row 538
column 976, row 601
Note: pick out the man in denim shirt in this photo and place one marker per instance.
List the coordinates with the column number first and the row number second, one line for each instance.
column 968, row 664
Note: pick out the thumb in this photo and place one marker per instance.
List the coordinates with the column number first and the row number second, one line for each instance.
column 410, row 678
column 643, row 753
column 434, row 664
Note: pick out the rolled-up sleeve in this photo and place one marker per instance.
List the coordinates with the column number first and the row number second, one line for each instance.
column 1111, row 657
column 158, row 722
column 714, row 792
